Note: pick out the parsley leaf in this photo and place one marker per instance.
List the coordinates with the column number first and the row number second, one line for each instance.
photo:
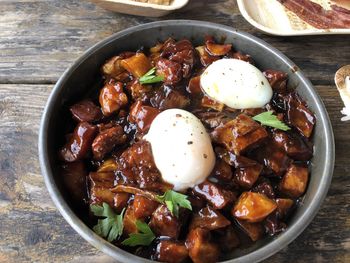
column 111, row 227
column 151, row 77
column 268, row 119
column 173, row 201
column 144, row 238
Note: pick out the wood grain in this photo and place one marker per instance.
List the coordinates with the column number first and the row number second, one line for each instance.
column 39, row 39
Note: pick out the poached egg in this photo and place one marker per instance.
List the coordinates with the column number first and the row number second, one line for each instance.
column 181, row 148
column 236, row 83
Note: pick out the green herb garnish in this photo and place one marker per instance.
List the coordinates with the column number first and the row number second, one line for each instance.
column 151, row 77
column 173, row 201
column 111, row 227
column 268, row 119
column 144, row 238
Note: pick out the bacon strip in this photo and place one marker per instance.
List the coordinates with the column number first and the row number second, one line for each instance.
column 315, row 15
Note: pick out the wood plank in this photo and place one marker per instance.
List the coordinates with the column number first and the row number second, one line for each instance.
column 40, row 39
column 32, row 230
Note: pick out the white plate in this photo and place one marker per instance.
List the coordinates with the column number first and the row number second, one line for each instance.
column 139, row 8
column 272, row 18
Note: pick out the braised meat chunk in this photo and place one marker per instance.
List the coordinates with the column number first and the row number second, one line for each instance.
column 163, row 223
column 78, row 146
column 214, row 194
column 171, row 251
column 87, row 111
column 299, row 115
column 106, row 140
column 209, row 218
column 112, row 97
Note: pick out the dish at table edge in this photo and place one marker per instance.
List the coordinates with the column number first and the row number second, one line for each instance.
column 160, row 95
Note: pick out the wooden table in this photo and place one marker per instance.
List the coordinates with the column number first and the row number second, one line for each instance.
column 39, row 39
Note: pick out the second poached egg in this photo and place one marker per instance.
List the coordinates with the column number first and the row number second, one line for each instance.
column 236, row 83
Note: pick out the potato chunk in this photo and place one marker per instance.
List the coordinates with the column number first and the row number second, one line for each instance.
column 240, row 134
column 253, row 207
column 200, row 248
column 171, row 251
column 112, row 67
column 138, row 65
column 294, row 182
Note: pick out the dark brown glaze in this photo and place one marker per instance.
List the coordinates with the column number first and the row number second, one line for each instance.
column 299, row 115
column 209, row 218
column 112, row 97
column 214, row 194
column 201, row 250
column 142, row 116
column 79, row 145
column 163, row 223
column 171, row 251
column 170, row 70
column 259, row 174
column 277, row 80
column 86, row 110
column 106, row 140
column 169, row 98
column 144, row 207
column 74, row 177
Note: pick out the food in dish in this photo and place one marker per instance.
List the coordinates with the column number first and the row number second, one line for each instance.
column 117, row 158
column 317, row 16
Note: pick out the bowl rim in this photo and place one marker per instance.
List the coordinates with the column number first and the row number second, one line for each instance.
column 121, row 255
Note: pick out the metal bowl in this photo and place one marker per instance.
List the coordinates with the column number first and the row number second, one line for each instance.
column 78, row 79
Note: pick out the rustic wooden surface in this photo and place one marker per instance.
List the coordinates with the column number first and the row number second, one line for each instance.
column 39, row 39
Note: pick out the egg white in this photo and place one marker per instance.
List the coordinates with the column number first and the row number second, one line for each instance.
column 181, row 148
column 236, row 83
